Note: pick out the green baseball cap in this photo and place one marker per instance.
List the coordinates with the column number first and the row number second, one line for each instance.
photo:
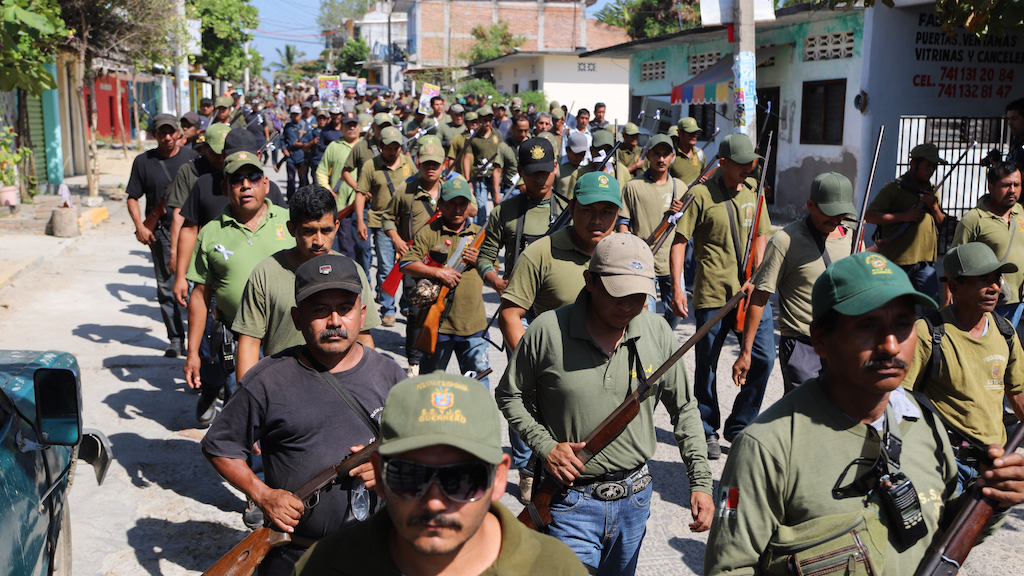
column 365, row 120
column 630, row 129
column 391, row 135
column 688, row 124
column 928, row 152
column 973, row 259
column 861, row 283
column 673, row 131
column 430, row 149
column 554, row 140
column 602, row 138
column 554, row 105
column 383, row 118
column 224, row 102
column 215, row 136
column 470, row 116
column 456, row 188
column 662, row 139
column 441, row 409
column 484, row 110
column 738, row 148
column 597, row 187
column 234, row 162
column 833, row 193
column 558, row 114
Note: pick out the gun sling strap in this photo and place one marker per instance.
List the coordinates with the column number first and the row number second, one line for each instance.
column 347, row 396
column 530, row 238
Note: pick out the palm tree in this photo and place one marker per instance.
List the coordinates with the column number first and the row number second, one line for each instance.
column 288, row 59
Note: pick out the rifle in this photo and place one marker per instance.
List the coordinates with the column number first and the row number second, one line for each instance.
column 748, row 255
column 245, row 557
column 906, row 225
column 858, row 233
column 946, row 557
column 537, row 514
column 394, row 277
column 563, row 219
column 427, row 340
column 712, row 139
column 661, row 233
column 154, row 217
column 657, row 118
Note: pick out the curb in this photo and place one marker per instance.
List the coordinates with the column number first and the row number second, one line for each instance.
column 92, row 216
column 12, row 271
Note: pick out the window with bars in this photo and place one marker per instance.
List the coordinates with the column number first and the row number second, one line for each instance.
column 703, row 61
column 821, row 119
column 652, row 70
column 829, row 46
column 704, row 114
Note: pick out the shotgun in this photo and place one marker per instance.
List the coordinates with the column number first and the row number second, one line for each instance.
column 427, row 340
column 946, row 557
column 748, row 256
column 858, row 233
column 658, row 237
column 394, row 278
column 537, row 513
column 245, row 557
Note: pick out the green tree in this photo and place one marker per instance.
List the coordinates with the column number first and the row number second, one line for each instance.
column 479, row 86
column 980, row 17
column 287, row 61
column 355, row 50
column 30, row 34
column 334, row 13
column 492, row 41
column 649, row 18
column 225, row 30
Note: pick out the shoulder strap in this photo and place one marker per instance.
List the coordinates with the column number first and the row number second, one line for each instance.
column 937, row 328
column 1005, row 328
column 818, row 241
column 163, row 166
column 345, row 395
column 730, row 209
column 1013, row 232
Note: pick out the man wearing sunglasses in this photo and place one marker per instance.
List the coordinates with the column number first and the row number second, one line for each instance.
column 442, row 472
column 573, row 368
column 309, row 407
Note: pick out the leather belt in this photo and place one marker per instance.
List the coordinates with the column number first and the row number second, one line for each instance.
column 635, row 481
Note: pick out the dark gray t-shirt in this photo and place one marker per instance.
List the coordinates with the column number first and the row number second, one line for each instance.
column 303, row 426
column 149, row 179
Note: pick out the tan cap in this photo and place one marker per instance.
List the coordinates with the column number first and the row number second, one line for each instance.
column 430, row 149
column 625, row 264
column 390, row 135
column 630, row 129
column 688, row 124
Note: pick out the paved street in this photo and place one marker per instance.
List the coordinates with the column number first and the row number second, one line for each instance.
column 162, row 509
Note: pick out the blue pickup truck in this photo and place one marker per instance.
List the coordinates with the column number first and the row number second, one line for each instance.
column 41, row 440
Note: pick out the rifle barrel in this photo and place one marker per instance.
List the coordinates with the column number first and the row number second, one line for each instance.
column 858, row 234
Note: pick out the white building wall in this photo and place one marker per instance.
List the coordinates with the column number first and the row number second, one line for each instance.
column 562, row 79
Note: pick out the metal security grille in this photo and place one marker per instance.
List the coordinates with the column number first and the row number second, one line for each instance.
column 703, row 61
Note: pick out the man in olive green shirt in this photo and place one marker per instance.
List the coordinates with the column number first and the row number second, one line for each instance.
column 719, row 223
column 980, row 361
column 647, row 201
column 575, row 154
column 572, row 368
column 458, row 144
column 484, row 167
column 462, row 332
column 908, row 213
column 998, row 222
column 689, row 161
column 447, row 131
column 629, row 153
column 793, row 260
column 329, row 175
column 439, row 427
column 603, row 142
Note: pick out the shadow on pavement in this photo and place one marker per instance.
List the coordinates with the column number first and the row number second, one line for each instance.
column 131, row 335
column 143, row 292
column 144, row 271
column 692, row 551
column 671, row 490
column 151, row 311
column 175, row 465
column 193, row 545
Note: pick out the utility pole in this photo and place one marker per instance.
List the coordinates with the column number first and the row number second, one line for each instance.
column 391, row 8
column 245, row 79
column 745, row 82
column 183, row 101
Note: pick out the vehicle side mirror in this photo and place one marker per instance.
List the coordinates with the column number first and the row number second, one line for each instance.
column 58, row 406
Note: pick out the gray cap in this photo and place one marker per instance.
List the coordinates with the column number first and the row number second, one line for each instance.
column 578, row 142
column 833, row 193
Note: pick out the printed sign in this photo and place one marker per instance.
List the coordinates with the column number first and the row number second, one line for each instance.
column 361, row 86
column 329, row 88
column 429, row 91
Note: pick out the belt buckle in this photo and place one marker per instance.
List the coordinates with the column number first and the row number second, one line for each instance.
column 610, row 491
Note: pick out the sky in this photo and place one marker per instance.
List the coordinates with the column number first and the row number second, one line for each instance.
column 294, row 22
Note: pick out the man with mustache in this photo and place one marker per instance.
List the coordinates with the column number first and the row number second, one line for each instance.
column 441, row 472
column 808, row 483
column 719, row 223
column 979, row 360
column 308, row 407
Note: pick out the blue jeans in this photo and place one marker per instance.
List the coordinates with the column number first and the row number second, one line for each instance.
column 385, row 249
column 689, row 267
column 483, row 189
column 470, row 351
column 924, row 279
column 605, row 535
column 705, row 383
column 364, row 253
column 665, row 286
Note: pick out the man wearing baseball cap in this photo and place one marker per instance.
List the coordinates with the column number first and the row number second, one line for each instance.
column 908, row 213
column 719, row 223
column 294, row 150
column 690, row 160
column 602, row 142
column 329, row 175
column 309, row 407
column 447, row 131
column 780, row 487
column 793, row 260
column 441, row 474
column 979, row 360
column 572, row 369
column 458, row 142
column 576, row 149
column 483, row 163
column 629, row 152
column 222, row 110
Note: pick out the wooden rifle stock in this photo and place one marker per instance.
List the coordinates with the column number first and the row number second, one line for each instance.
column 946, row 557
column 748, row 257
column 662, row 232
column 616, row 422
column 245, row 557
column 427, row 340
column 394, row 277
column 154, row 217
column 858, row 233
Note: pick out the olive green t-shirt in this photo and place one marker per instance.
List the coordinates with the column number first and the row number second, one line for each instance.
column 706, row 224
column 182, row 184
column 467, row 315
column 447, row 132
column 265, row 311
column 456, row 146
column 565, row 172
column 920, row 242
column 362, row 152
column 621, row 175
column 689, row 168
column 981, row 225
column 628, row 157
column 485, row 151
column 645, row 204
column 409, row 209
column 502, row 225
column 792, row 262
column 380, row 182
column 974, row 376
column 509, row 164
column 548, row 274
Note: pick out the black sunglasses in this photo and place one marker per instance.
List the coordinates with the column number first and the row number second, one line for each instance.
column 464, row 482
column 253, row 177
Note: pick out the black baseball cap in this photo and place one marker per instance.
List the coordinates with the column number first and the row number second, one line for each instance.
column 536, row 155
column 161, row 120
column 326, row 272
column 205, row 102
column 239, row 140
column 349, row 117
